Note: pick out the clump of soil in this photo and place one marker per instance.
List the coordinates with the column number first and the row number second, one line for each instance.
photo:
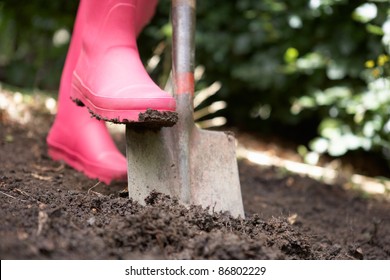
column 150, row 119
column 50, row 211
column 153, row 118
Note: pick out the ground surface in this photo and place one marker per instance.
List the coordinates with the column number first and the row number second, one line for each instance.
column 49, row 211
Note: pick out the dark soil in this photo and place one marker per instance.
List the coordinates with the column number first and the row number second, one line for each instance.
column 153, row 118
column 49, row 211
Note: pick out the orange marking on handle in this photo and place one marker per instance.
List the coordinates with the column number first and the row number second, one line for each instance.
column 185, row 83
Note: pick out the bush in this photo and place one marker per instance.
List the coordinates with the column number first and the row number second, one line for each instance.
column 289, row 62
column 354, row 107
column 34, row 40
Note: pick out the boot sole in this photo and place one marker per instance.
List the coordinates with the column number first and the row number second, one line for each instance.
column 148, row 118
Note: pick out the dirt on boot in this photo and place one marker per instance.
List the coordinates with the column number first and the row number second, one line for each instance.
column 150, row 119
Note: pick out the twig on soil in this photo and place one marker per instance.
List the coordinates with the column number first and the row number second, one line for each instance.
column 46, row 169
column 91, row 188
column 42, row 219
column 43, row 178
column 26, row 194
column 11, row 196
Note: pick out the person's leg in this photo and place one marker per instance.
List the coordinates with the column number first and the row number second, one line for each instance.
column 81, row 141
column 109, row 77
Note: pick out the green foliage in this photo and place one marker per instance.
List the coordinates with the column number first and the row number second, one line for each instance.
column 355, row 116
column 33, row 41
column 269, row 52
column 303, row 60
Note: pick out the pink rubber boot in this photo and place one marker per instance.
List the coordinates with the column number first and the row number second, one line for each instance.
column 81, row 141
column 110, row 79
column 145, row 12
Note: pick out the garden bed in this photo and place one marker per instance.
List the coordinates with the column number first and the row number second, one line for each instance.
column 50, row 211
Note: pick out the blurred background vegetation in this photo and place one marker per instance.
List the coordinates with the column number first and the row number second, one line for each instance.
column 317, row 71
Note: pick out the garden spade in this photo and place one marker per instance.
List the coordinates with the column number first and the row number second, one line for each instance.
column 194, row 165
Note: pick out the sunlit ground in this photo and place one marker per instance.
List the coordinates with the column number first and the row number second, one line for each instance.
column 21, row 107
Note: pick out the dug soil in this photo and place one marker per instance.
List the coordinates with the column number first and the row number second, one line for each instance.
column 50, row 211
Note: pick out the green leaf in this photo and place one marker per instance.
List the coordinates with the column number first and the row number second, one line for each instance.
column 374, row 29
column 330, row 128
